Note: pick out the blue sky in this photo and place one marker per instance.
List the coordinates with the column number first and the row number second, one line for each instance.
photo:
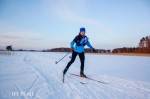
column 42, row 24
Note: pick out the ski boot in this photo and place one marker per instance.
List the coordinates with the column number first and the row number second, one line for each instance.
column 83, row 75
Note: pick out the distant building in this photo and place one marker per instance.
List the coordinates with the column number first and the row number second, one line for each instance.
column 145, row 42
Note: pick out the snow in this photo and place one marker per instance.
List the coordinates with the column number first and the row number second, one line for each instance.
column 34, row 75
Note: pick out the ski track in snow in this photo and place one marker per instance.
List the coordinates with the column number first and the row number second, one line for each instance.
column 37, row 72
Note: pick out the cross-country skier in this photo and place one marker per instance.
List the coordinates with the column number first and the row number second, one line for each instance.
column 77, row 46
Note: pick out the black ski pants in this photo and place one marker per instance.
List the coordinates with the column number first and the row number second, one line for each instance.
column 82, row 58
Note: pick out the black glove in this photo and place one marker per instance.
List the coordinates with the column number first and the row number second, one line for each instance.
column 94, row 50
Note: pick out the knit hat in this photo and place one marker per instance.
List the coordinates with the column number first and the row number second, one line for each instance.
column 82, row 29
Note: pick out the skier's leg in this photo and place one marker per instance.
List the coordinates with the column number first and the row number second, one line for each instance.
column 74, row 54
column 82, row 58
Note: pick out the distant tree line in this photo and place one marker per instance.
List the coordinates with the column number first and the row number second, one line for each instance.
column 116, row 50
column 131, row 50
column 88, row 50
column 63, row 49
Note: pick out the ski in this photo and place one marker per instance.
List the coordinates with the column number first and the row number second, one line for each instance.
column 89, row 78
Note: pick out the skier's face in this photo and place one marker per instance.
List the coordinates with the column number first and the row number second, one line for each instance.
column 82, row 33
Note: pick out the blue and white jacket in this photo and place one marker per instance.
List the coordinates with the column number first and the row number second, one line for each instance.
column 79, row 42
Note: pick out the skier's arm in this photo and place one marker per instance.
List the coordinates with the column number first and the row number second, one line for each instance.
column 89, row 45
column 72, row 44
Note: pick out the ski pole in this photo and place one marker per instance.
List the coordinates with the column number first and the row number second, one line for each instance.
column 56, row 62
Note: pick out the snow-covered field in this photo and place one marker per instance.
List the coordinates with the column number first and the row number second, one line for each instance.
column 34, row 75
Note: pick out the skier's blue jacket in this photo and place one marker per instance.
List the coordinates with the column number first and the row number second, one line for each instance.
column 79, row 42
